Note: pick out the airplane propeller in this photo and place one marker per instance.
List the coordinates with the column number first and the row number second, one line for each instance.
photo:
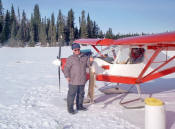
column 59, row 67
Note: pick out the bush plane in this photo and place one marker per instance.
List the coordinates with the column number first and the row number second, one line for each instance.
column 131, row 60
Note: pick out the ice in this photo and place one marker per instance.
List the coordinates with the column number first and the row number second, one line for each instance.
column 30, row 97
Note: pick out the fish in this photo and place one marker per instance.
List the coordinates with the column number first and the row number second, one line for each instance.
column 92, row 82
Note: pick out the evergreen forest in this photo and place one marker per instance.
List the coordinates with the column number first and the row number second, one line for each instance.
column 16, row 30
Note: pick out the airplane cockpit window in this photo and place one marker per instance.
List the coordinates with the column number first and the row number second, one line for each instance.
column 108, row 54
column 136, row 55
column 122, row 55
column 127, row 55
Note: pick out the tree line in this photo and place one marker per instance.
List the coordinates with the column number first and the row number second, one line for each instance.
column 17, row 30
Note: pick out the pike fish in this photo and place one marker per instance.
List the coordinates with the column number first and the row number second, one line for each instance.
column 92, row 80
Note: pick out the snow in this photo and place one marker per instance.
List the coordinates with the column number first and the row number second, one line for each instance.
column 30, row 97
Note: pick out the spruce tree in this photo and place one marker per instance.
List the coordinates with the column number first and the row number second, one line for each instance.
column 13, row 30
column 61, row 28
column 6, row 28
column 12, row 41
column 18, row 22
column 70, row 26
column 13, row 24
column 109, row 34
column 23, row 32
column 49, row 33
column 71, row 35
column 95, row 30
column 27, row 31
column 19, row 16
column 32, row 32
column 24, row 26
column 12, row 15
column 100, row 35
column 83, row 29
column 53, row 30
column 89, row 27
column 76, row 33
column 43, row 36
column 1, row 20
column 47, row 30
column 37, row 21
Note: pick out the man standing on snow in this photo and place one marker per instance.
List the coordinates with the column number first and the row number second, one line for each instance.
column 75, row 73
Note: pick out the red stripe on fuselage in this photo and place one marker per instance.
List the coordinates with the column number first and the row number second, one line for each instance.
column 116, row 79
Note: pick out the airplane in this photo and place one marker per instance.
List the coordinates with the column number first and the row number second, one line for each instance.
column 131, row 60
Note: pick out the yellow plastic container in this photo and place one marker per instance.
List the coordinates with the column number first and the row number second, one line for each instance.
column 153, row 102
column 154, row 114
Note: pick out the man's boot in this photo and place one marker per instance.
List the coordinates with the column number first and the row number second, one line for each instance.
column 71, row 111
column 81, row 108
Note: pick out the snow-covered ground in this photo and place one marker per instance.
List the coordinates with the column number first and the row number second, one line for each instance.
column 30, row 98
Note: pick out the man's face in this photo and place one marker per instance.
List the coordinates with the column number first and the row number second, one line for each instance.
column 76, row 51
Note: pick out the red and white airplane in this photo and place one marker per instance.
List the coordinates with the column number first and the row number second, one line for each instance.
column 132, row 60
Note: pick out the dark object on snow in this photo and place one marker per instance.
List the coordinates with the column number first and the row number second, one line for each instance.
column 113, row 90
column 81, row 108
column 72, row 111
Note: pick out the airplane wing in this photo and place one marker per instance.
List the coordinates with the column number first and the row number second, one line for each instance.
column 167, row 38
column 88, row 41
column 154, row 39
column 101, row 42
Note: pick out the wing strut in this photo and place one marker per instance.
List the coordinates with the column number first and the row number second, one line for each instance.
column 139, row 79
column 97, row 50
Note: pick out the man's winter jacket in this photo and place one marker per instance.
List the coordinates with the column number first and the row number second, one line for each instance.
column 75, row 69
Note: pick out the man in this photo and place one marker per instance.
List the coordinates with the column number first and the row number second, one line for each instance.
column 75, row 73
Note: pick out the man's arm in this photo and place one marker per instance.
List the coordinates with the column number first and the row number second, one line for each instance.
column 67, row 68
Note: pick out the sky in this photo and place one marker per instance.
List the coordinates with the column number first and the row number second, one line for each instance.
column 123, row 16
